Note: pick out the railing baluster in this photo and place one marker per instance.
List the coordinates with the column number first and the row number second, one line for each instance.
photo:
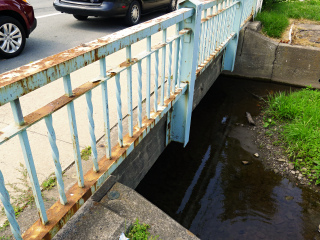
column 202, row 32
column 209, row 39
column 180, row 61
column 73, row 130
column 169, row 70
column 139, row 95
column 118, row 93
column 219, row 29
column 129, row 90
column 224, row 25
column 156, row 68
column 91, row 130
column 210, row 33
column 164, row 49
column 5, row 199
column 176, row 60
column 55, row 156
column 27, row 154
column 205, row 32
column 215, row 27
column 200, row 43
column 104, row 90
column 148, row 77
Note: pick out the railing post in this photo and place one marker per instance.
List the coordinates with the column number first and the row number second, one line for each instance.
column 181, row 115
column 229, row 55
column 27, row 154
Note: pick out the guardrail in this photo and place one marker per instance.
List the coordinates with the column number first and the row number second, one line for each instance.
column 203, row 30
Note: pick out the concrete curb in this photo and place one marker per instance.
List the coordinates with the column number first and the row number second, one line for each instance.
column 107, row 219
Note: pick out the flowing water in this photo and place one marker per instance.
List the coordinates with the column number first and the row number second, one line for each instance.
column 207, row 189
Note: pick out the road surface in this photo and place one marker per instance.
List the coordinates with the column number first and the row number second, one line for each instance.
column 57, row 32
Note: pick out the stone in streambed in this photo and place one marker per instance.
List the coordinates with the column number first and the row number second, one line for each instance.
column 291, row 166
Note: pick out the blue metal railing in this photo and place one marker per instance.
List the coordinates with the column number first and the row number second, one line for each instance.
column 203, row 30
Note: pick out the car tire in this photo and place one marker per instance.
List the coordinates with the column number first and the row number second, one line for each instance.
column 173, row 6
column 133, row 14
column 80, row 17
column 12, row 37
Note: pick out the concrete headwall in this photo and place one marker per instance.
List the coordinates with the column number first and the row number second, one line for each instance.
column 260, row 57
column 138, row 163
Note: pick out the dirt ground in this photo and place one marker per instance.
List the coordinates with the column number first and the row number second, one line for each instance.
column 271, row 151
column 304, row 32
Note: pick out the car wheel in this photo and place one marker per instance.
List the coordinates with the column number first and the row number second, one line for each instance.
column 80, row 17
column 12, row 37
column 173, row 6
column 133, row 14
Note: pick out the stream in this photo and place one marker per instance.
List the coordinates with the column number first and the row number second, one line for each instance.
column 206, row 188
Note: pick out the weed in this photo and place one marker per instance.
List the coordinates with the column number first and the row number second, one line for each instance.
column 140, row 232
column 268, row 133
column 276, row 143
column 5, row 238
column 268, row 122
column 50, row 182
column 86, row 153
column 22, row 197
column 23, row 191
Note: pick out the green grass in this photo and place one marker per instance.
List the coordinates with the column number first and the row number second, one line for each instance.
column 275, row 14
column 86, row 153
column 140, row 232
column 298, row 112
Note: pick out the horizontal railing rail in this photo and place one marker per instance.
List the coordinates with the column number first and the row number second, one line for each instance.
column 202, row 31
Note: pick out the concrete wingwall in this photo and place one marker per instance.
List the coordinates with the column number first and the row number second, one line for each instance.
column 262, row 58
column 137, row 164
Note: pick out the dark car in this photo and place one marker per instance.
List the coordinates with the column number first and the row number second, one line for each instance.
column 130, row 9
column 17, row 21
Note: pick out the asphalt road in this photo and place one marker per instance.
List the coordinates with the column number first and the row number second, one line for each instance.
column 57, row 32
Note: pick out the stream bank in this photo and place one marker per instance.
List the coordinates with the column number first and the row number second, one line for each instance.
column 207, row 188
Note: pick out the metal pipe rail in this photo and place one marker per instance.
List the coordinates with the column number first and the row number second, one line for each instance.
column 203, row 30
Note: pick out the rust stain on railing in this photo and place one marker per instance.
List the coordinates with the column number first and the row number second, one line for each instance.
column 27, row 77
column 59, row 214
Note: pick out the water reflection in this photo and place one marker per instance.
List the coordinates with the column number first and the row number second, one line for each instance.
column 208, row 190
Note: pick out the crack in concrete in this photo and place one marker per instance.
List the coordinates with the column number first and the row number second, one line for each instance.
column 275, row 58
column 244, row 35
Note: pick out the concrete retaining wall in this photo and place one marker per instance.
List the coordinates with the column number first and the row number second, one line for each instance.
column 262, row 58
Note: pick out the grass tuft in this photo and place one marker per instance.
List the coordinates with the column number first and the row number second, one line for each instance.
column 50, row 182
column 298, row 113
column 86, row 153
column 274, row 24
column 140, row 232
